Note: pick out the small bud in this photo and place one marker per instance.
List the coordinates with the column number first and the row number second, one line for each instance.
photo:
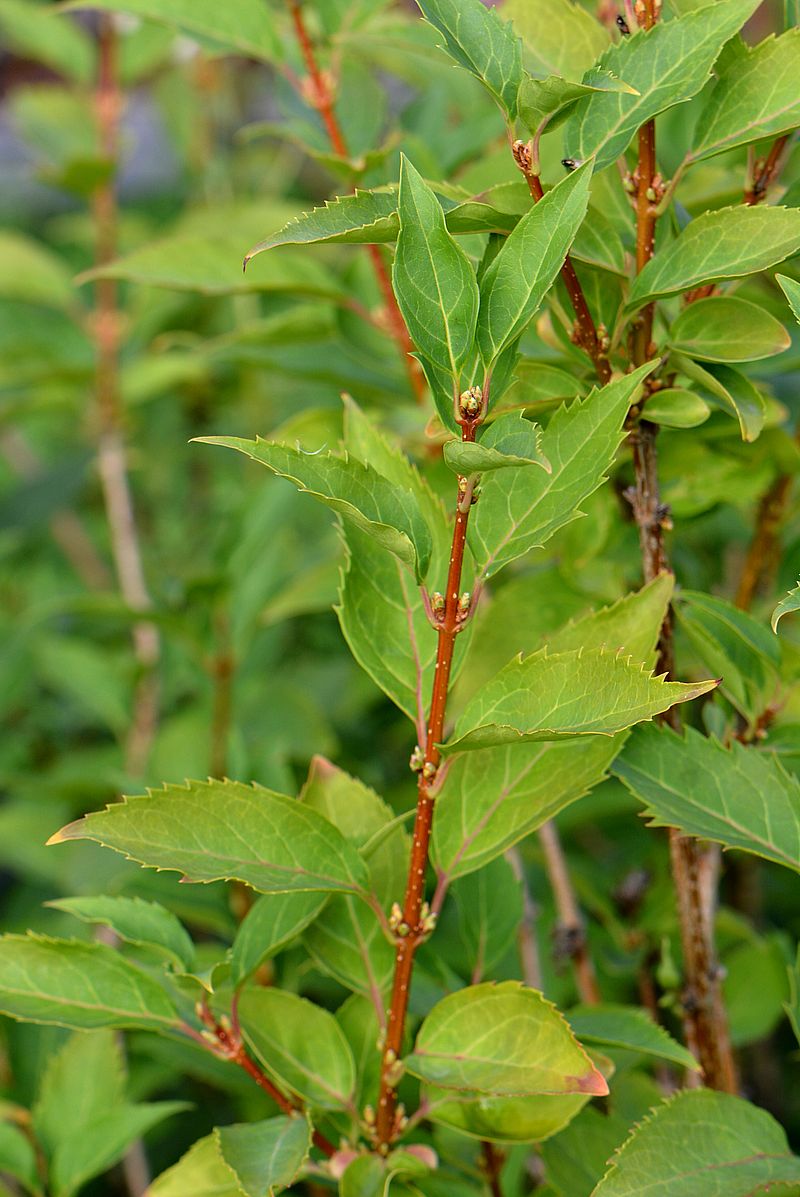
column 428, row 924
column 651, row 194
column 428, row 771
column 437, row 598
column 464, row 603
column 389, row 1057
column 417, row 759
column 470, row 402
column 369, row 1115
column 402, row 929
column 628, row 183
column 395, row 916
column 523, row 155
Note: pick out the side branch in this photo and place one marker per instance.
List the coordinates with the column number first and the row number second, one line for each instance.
column 414, row 922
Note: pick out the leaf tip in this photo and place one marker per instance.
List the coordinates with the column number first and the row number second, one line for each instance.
column 70, row 831
column 594, row 1084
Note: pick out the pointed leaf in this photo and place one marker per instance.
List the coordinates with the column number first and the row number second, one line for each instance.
column 630, row 1028
column 727, row 1147
column 790, row 603
column 509, row 441
column 247, row 833
column 728, row 243
column 265, row 1157
column 432, row 277
column 503, row 1040
column 81, row 985
column 84, row 1079
column 520, row 509
column 541, row 101
column 300, row 1043
column 724, row 328
column 543, row 697
column 755, row 97
column 791, row 289
column 135, row 921
column 101, row 1143
column 666, row 66
column 390, row 514
column 364, row 216
column 516, row 282
column 735, row 796
column 482, row 42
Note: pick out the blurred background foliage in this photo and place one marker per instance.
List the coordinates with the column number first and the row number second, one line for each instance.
column 218, row 148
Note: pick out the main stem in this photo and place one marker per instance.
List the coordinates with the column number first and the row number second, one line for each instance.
column 412, row 930
column 322, row 97
column 704, row 1016
column 112, row 456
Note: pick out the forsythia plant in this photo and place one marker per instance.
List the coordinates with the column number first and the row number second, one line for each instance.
column 560, row 352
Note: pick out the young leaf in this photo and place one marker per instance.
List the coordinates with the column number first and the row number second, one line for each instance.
column 300, row 1043
column 755, row 97
column 201, row 1171
column 728, row 389
column 101, row 1143
column 84, row 1079
column 271, row 924
column 504, row 1040
column 390, row 514
column 363, row 217
column 81, row 985
column 483, row 43
column 519, row 277
column 734, row 796
column 432, row 277
column 520, row 509
column 238, row 832
column 630, row 1028
column 577, row 693
column 676, row 408
column 510, row 440
column 790, row 603
column 724, row 328
column 666, row 66
column 728, row 243
column 265, row 1157
column 791, row 289
column 561, row 37
column 721, row 1136
column 135, row 921
column 247, row 29
column 541, row 101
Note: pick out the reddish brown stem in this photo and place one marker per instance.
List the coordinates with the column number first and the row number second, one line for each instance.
column 570, row 932
column 321, row 95
column 112, row 456
column 586, row 332
column 762, row 555
column 492, row 1167
column 412, row 930
column 766, row 171
column 704, row 1016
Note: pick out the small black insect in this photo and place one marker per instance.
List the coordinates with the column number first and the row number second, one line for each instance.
column 623, row 26
column 569, row 164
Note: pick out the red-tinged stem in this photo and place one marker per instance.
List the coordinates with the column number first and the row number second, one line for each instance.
column 570, row 932
column 492, row 1167
column 321, row 95
column 586, row 333
column 766, row 171
column 112, row 455
column 412, row 930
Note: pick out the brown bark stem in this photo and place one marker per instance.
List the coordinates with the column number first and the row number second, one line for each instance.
column 321, row 95
column 413, row 930
column 492, row 1167
column 112, row 456
column 570, row 934
column 704, row 1016
column 765, row 172
column 585, row 329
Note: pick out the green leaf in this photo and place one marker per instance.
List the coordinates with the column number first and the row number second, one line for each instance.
column 135, row 921
column 390, row 514
column 728, row 243
column 31, row 273
column 666, row 66
column 265, row 1157
column 791, row 289
column 577, row 693
column 724, row 328
column 38, row 31
column 247, row 29
column 201, row 1171
column 483, row 43
column 99, row 1144
column 735, row 646
column 519, row 277
column 504, row 1040
column 631, row 625
column 503, row 1119
column 215, row 830
column 301, row 1044
column 541, row 101
column 727, row 1147
column 630, row 1028
column 84, row 1079
column 489, row 907
column 790, row 603
column 675, row 407
column 81, row 985
column 18, row 1159
column 510, row 440
column 755, row 97
column 752, row 1020
column 271, row 924
column 728, row 389
column 734, row 796
column 520, row 509
column 433, row 278
column 561, row 37
column 363, row 217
